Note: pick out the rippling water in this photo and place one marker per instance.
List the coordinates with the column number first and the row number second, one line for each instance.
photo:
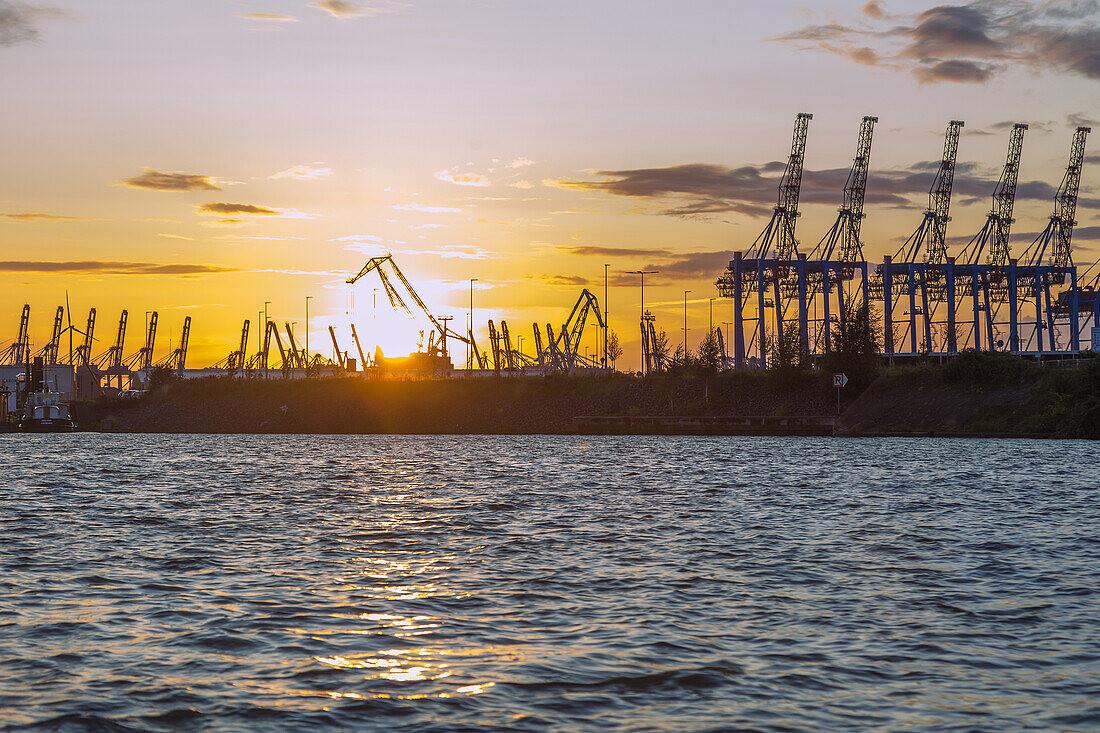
column 542, row 583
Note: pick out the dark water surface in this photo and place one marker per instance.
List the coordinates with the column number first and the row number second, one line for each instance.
column 548, row 583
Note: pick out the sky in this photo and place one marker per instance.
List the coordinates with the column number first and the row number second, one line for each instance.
column 208, row 157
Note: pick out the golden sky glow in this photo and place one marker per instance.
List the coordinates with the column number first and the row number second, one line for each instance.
column 202, row 158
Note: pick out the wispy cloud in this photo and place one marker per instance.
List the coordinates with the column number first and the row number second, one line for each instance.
column 346, row 9
column 111, row 268
column 38, row 217
column 520, row 162
column 302, row 173
column 225, row 209
column 463, row 179
column 176, row 236
column 561, row 280
column 703, row 189
column 18, row 21
column 154, row 180
column 426, row 209
column 967, row 43
column 270, row 17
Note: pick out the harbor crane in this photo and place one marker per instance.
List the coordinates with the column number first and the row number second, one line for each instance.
column 918, row 265
column 177, row 358
column 143, row 357
column 987, row 286
column 376, row 264
column 49, row 352
column 110, row 361
column 83, row 354
column 844, row 234
column 17, row 352
column 753, row 270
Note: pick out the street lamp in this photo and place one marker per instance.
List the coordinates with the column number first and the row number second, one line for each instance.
column 711, row 331
column 470, row 333
column 308, row 298
column 606, row 322
column 686, row 324
column 642, row 274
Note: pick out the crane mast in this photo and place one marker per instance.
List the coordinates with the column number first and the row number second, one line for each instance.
column 781, row 229
column 84, row 351
column 18, row 351
column 994, row 235
column 1058, row 235
column 931, row 235
column 845, row 230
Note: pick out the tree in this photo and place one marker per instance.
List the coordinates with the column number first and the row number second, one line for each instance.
column 709, row 355
column 856, row 343
column 614, row 348
column 660, row 348
column 784, row 350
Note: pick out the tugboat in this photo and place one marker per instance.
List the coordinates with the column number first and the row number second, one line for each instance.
column 44, row 413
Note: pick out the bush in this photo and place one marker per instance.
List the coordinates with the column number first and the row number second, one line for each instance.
column 987, row 369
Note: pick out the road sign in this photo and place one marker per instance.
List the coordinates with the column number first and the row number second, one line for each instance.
column 839, row 380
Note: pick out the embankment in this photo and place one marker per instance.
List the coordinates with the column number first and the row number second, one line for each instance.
column 527, row 405
column 981, row 394
column 975, row 394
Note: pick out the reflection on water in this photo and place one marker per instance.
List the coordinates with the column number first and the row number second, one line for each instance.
column 533, row 583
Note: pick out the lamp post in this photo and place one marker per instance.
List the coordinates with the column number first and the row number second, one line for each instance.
column 725, row 343
column 709, row 332
column 470, row 333
column 606, row 322
column 308, row 298
column 642, row 274
column 686, row 324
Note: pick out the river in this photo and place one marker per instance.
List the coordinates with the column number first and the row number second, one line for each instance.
column 157, row 582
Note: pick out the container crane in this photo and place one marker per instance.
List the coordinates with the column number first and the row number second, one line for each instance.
column 143, row 359
column 177, row 358
column 909, row 269
column 49, row 352
column 84, row 351
column 843, row 234
column 17, row 352
column 753, row 270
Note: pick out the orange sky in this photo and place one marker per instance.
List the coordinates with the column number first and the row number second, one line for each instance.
column 202, row 158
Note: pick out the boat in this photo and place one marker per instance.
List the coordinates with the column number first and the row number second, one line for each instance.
column 44, row 413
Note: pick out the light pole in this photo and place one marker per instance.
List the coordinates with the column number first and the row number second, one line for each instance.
column 308, row 298
column 725, row 344
column 686, row 324
column 711, row 331
column 470, row 333
column 606, row 322
column 642, row 274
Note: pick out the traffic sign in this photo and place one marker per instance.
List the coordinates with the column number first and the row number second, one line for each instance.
column 839, row 380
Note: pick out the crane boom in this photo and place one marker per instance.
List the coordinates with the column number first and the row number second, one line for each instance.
column 358, row 347
column 1058, row 235
column 998, row 225
column 931, row 235
column 845, row 230
column 781, row 230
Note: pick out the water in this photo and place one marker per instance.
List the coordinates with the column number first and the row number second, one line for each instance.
column 547, row 583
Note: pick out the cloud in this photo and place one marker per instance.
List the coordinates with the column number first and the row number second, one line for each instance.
column 33, row 217
column 426, row 209
column 339, row 8
column 704, row 189
column 111, row 268
column 230, row 209
column 154, row 180
column 18, row 21
column 1080, row 119
column 270, row 17
column 176, row 236
column 463, row 179
column 358, row 238
column 968, row 43
column 561, row 280
column 591, row 251
column 302, row 173
column 520, row 162
column 956, row 70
